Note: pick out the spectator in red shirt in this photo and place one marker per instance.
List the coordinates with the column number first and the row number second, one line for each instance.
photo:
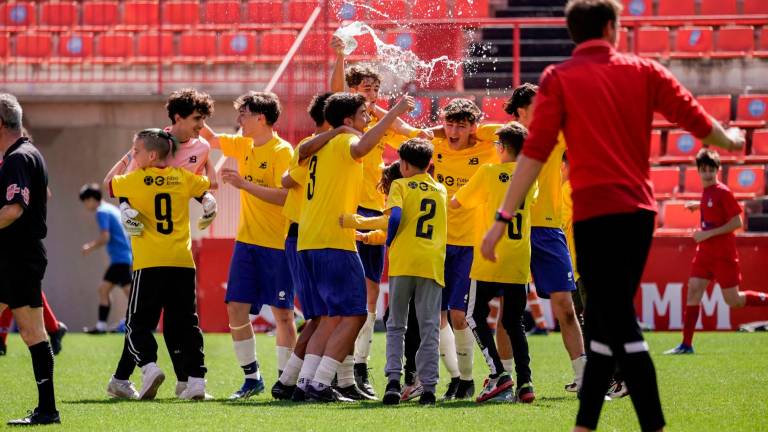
column 716, row 255
column 603, row 101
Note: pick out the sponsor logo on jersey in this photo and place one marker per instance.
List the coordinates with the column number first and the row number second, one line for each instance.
column 149, row 181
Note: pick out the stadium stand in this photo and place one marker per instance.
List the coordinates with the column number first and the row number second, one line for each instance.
column 759, row 151
column 675, row 218
column 182, row 13
column 681, row 148
column 114, row 47
column 735, row 41
column 666, row 182
column 76, row 45
column 394, row 9
column 746, row 181
column 235, row 45
column 152, row 46
column 718, row 7
column 222, row 12
column 692, row 186
column 676, row 7
column 429, row 9
column 61, row 14
column 20, row 14
column 36, row 46
column 754, row 7
column 493, row 108
column 693, row 42
column 277, row 42
column 197, row 47
column 653, row 41
column 101, row 13
column 264, row 11
column 141, row 13
column 637, row 8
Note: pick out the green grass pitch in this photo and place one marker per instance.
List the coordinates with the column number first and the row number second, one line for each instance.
column 724, row 386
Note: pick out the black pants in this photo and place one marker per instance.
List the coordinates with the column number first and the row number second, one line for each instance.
column 611, row 252
column 412, row 342
column 515, row 298
column 127, row 363
column 171, row 290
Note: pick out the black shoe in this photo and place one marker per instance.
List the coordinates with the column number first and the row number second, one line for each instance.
column 93, row 331
column 465, row 389
column 281, row 391
column 36, row 418
column 3, row 348
column 392, row 393
column 427, row 398
column 450, row 394
column 327, row 394
column 298, row 395
column 354, row 393
column 361, row 379
column 56, row 338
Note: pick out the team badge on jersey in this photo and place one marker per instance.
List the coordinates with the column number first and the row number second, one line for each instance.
column 503, row 177
column 413, row 185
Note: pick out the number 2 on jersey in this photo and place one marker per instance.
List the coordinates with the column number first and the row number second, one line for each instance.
column 424, row 230
column 163, row 213
column 311, row 180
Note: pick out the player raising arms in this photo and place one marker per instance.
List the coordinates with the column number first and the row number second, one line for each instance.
column 164, row 271
column 509, row 275
column 258, row 273
column 716, row 255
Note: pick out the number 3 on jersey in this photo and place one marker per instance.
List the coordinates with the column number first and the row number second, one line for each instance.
column 311, row 177
column 163, row 213
column 424, row 230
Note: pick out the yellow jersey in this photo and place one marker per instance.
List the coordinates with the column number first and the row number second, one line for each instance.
column 332, row 189
column 418, row 248
column 161, row 196
column 453, row 168
column 261, row 223
column 298, row 172
column 485, row 191
column 567, row 220
column 547, row 211
column 370, row 196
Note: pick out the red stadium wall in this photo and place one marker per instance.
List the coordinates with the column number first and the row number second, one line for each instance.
column 659, row 302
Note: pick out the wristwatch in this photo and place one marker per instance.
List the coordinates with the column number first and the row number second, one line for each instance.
column 502, row 216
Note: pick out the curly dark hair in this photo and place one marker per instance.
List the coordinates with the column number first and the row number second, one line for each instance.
column 355, row 75
column 512, row 135
column 417, row 152
column 341, row 106
column 265, row 103
column 186, row 101
column 317, row 106
column 461, row 109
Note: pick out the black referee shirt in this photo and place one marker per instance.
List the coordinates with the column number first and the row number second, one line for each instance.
column 24, row 181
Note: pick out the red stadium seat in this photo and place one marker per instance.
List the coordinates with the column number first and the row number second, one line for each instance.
column 624, row 40
column 264, row 11
column 115, row 47
column 61, row 14
column 747, row 181
column 637, row 8
column 753, row 7
column 277, row 43
column 471, row 8
column 100, row 13
column 197, row 45
column 34, row 45
column 429, row 9
column 315, row 44
column 666, row 182
column 152, row 46
column 366, row 47
column 677, row 218
column 718, row 7
column 76, row 45
column 493, row 109
column 677, row 7
column 182, row 13
column 730, row 156
column 17, row 14
column 735, row 41
column 692, row 187
column 653, row 41
column 655, row 153
column 4, row 45
column 347, row 11
column 693, row 42
column 388, row 9
column 421, row 114
column 718, row 106
column 752, row 108
column 681, row 147
column 300, row 11
column 141, row 13
column 759, row 151
column 239, row 44
column 763, row 43
column 222, row 12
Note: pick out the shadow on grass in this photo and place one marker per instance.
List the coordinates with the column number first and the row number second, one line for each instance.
column 111, row 401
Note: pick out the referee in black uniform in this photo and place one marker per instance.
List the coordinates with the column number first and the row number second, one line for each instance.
column 23, row 198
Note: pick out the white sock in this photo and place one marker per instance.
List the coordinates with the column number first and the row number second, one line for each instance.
column 308, row 370
column 326, row 371
column 291, row 371
column 346, row 372
column 101, row 325
column 283, row 354
column 465, row 344
column 364, row 339
column 578, row 365
column 448, row 351
column 508, row 365
column 245, row 351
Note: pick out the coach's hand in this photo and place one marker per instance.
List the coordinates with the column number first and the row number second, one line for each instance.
column 491, row 239
column 231, row 176
column 737, row 137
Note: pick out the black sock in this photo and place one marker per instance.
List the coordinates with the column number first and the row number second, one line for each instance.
column 42, row 365
column 103, row 312
column 250, row 368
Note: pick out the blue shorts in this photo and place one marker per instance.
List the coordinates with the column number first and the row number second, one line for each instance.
column 309, row 301
column 458, row 262
column 337, row 277
column 550, row 262
column 372, row 256
column 259, row 275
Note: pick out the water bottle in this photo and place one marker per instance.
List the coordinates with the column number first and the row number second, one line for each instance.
column 347, row 35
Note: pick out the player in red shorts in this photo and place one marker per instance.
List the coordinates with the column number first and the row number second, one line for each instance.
column 716, row 256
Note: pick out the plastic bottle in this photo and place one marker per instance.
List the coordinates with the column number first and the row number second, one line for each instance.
column 347, row 35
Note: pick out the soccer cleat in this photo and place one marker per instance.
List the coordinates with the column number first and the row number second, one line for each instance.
column 392, row 393
column 299, row 395
column 151, row 379
column 354, row 393
column 572, row 387
column 495, row 386
column 281, row 391
column 180, row 387
column 617, row 390
column 56, row 338
column 427, row 398
column 36, row 418
column 361, row 379
column 121, row 389
column 525, row 393
column 680, row 349
column 450, row 394
column 94, row 331
column 3, row 348
column 250, row 388
column 324, row 395
column 466, row 389
column 195, row 390
column 412, row 391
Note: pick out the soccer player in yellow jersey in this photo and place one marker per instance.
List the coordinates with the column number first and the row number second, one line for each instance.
column 457, row 157
column 416, row 236
column 164, row 272
column 550, row 259
column 258, row 272
column 328, row 251
column 509, row 275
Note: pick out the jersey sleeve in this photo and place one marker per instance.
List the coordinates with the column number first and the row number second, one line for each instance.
column 395, row 197
column 102, row 218
column 365, row 223
column 197, row 185
column 377, row 237
column 283, row 158
column 345, row 150
column 16, row 181
column 475, row 192
column 730, row 205
column 232, row 145
column 123, row 185
column 487, row 132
